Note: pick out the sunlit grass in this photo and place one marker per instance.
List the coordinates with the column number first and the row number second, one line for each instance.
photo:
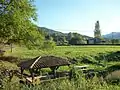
column 63, row 51
column 71, row 52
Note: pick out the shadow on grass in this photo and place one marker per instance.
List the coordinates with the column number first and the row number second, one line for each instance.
column 10, row 59
column 111, row 56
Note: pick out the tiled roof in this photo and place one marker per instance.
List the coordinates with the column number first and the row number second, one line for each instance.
column 44, row 62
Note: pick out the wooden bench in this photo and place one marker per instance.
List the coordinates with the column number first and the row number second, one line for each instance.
column 81, row 67
column 30, row 81
column 38, row 78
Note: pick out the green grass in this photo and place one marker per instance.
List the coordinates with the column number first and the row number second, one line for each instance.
column 66, row 51
column 63, row 51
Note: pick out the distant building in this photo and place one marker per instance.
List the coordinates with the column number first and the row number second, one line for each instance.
column 95, row 41
column 90, row 41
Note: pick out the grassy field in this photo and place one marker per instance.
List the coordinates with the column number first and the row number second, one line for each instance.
column 63, row 51
column 77, row 52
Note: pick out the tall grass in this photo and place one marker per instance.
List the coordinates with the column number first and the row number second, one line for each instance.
column 78, row 83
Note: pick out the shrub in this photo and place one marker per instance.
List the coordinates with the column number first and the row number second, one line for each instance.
column 49, row 45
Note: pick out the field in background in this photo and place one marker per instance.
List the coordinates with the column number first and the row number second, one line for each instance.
column 63, row 51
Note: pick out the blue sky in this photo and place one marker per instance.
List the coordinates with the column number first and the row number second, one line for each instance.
column 79, row 15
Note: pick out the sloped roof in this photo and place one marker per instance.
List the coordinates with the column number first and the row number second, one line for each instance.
column 44, row 62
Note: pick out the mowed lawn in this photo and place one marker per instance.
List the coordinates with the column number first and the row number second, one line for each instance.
column 62, row 51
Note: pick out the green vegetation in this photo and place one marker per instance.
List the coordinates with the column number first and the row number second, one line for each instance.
column 12, row 15
column 17, row 31
column 95, row 54
column 64, row 38
column 64, row 51
column 16, row 24
column 73, row 38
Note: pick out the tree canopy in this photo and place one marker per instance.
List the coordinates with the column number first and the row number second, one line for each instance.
column 16, row 24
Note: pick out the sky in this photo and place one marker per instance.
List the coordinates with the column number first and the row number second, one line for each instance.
column 79, row 15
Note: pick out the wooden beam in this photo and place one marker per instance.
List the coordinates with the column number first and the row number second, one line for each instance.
column 35, row 62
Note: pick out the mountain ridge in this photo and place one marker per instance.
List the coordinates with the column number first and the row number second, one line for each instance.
column 112, row 35
column 52, row 31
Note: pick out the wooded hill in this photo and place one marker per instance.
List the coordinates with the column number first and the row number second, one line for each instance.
column 64, row 38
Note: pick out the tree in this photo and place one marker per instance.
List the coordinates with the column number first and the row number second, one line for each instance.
column 59, row 39
column 77, row 39
column 115, row 41
column 16, row 18
column 97, row 32
column 69, row 36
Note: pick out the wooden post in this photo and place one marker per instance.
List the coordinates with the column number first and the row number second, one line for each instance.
column 11, row 47
column 53, row 71
column 32, row 77
column 32, row 74
column 22, row 72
